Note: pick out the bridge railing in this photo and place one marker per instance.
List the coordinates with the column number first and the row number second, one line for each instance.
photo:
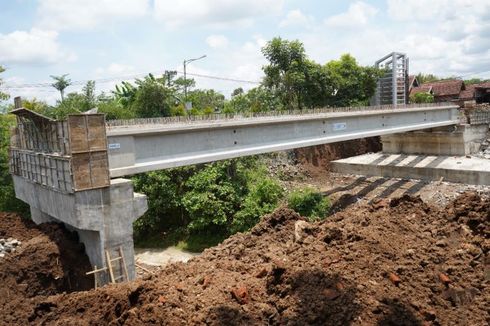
column 249, row 115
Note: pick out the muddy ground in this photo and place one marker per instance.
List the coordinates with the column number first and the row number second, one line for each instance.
column 387, row 262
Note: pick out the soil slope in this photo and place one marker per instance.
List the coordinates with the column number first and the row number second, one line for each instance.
column 49, row 261
column 398, row 262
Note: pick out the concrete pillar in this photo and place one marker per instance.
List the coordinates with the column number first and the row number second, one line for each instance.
column 103, row 218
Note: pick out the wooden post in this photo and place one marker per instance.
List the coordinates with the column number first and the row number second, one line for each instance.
column 17, row 102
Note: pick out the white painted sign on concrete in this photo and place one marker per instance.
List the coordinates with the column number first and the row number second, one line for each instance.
column 115, row 146
column 339, row 126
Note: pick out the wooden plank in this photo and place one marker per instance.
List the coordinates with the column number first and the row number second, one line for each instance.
column 80, row 164
column 125, row 268
column 77, row 128
column 99, row 166
column 109, row 265
column 97, row 139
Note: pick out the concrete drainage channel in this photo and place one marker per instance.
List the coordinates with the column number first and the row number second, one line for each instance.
column 8, row 246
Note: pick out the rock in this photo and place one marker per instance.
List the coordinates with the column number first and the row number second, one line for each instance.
column 300, row 230
column 2, row 255
column 240, row 294
column 441, row 243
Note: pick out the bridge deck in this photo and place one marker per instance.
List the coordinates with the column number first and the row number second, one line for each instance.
column 144, row 145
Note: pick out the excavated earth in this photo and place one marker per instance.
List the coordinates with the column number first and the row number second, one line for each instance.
column 49, row 261
column 391, row 262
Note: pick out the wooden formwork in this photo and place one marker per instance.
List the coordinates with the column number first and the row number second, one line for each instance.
column 68, row 156
column 48, row 170
column 88, row 146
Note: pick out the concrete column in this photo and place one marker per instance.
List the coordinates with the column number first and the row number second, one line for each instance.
column 103, row 218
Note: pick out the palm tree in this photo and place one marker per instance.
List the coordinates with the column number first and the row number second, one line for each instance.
column 61, row 82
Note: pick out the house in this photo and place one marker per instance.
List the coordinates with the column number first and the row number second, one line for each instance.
column 446, row 90
column 479, row 93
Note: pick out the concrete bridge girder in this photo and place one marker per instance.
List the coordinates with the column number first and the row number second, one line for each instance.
column 137, row 149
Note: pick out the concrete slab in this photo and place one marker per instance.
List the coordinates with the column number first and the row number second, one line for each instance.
column 459, row 169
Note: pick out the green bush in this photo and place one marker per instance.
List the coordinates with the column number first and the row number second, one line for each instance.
column 8, row 202
column 422, row 98
column 309, row 203
column 262, row 198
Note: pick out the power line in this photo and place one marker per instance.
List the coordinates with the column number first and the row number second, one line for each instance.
column 126, row 77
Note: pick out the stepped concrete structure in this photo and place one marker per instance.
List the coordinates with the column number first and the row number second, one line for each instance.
column 70, row 171
column 445, row 153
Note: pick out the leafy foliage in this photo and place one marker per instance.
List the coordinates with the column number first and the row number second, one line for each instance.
column 309, row 203
column 300, row 82
column 422, row 98
column 8, row 202
column 3, row 96
column 426, row 78
column 217, row 198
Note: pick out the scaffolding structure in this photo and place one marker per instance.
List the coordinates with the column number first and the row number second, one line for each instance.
column 392, row 88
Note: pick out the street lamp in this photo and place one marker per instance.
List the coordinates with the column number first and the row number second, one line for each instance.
column 185, row 73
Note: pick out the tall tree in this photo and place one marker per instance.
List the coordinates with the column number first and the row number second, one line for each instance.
column 285, row 73
column 61, row 83
column 88, row 92
column 352, row 84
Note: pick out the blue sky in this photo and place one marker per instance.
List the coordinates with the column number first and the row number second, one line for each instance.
column 112, row 40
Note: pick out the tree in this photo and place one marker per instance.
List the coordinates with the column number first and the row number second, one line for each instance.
column 237, row 91
column 426, row 78
column 352, row 84
column 300, row 82
column 206, row 100
column 285, row 73
column 88, row 92
column 152, row 98
column 61, row 83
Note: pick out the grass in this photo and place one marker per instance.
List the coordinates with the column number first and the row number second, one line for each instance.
column 181, row 239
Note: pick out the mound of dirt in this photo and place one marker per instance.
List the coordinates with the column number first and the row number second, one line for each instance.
column 49, row 261
column 399, row 262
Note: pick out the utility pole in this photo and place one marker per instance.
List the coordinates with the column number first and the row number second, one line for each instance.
column 185, row 73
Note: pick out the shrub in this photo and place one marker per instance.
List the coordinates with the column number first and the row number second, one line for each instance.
column 263, row 197
column 309, row 203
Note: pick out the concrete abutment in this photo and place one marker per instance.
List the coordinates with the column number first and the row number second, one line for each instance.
column 438, row 154
column 103, row 218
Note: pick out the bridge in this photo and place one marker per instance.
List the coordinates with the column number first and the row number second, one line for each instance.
column 69, row 171
column 143, row 145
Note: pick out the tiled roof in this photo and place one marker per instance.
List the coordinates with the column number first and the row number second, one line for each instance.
column 446, row 87
column 421, row 89
column 483, row 85
column 468, row 93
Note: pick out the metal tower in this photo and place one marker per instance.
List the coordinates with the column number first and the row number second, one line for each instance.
column 393, row 86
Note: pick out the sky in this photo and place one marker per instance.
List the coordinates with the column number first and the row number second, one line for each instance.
column 113, row 40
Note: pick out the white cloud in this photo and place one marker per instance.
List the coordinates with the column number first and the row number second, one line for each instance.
column 33, row 47
column 430, row 10
column 457, row 30
column 295, row 18
column 75, row 14
column 217, row 41
column 115, row 69
column 215, row 13
column 357, row 14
